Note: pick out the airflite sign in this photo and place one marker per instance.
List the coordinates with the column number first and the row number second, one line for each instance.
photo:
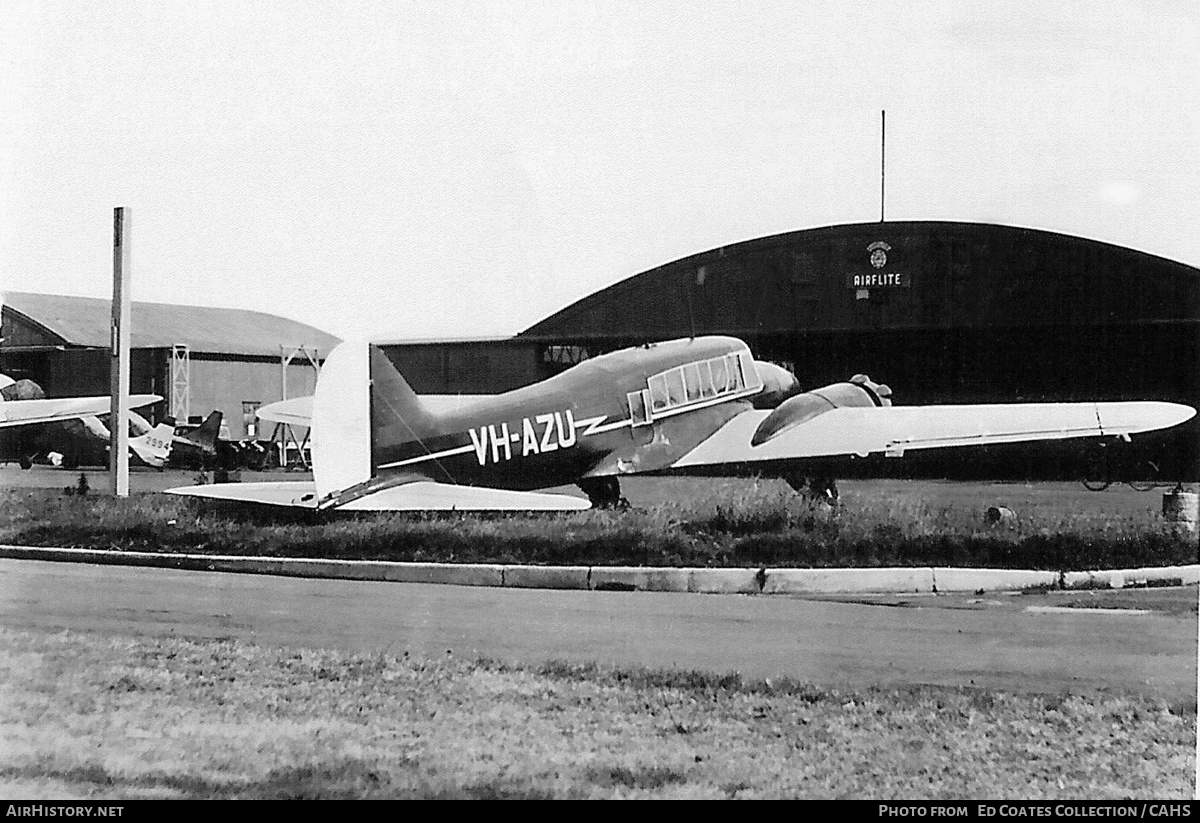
column 879, row 279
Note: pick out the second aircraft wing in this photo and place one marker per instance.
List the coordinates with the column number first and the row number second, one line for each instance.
column 25, row 412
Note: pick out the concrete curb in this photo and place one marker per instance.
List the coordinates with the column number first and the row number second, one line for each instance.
column 546, row 577
column 827, row 581
column 444, row 573
column 475, row 574
column 1119, row 579
column 973, row 580
column 639, row 578
column 920, row 579
column 725, row 581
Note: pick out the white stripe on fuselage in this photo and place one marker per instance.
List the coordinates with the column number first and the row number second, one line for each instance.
column 430, row 456
column 503, row 443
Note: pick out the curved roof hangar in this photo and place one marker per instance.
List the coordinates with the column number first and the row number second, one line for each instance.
column 892, row 275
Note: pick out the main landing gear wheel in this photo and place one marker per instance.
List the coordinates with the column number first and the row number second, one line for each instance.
column 1098, row 476
column 1150, row 471
column 821, row 489
column 604, row 492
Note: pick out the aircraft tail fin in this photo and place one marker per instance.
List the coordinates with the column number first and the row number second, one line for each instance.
column 204, row 437
column 397, row 414
column 154, row 447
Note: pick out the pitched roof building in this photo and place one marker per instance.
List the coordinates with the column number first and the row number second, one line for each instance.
column 60, row 320
column 232, row 360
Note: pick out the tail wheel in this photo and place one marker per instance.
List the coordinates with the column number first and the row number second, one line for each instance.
column 603, row 492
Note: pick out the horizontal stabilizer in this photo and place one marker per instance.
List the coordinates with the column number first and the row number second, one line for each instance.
column 279, row 493
column 24, row 412
column 895, row 429
column 429, row 496
column 297, row 411
column 417, row 496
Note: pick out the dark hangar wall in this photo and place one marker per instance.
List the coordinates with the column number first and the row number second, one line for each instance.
column 466, row 366
column 942, row 311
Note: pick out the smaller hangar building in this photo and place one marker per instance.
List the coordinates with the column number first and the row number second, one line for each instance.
column 198, row 358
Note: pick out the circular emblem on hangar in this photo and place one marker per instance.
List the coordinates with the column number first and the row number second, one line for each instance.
column 879, row 250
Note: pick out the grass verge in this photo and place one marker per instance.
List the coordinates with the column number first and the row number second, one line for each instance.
column 94, row 717
column 734, row 523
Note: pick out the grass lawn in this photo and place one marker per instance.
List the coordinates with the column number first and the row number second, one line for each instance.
column 88, row 717
column 674, row 522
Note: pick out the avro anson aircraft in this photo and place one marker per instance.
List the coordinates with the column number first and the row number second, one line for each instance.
column 700, row 405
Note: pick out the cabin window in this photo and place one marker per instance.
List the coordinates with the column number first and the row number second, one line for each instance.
column 659, row 399
column 733, row 364
column 639, row 410
column 675, row 393
column 720, row 375
column 697, row 382
column 747, row 375
column 691, row 381
column 706, row 382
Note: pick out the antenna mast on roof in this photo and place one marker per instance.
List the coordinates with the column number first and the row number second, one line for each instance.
column 882, row 157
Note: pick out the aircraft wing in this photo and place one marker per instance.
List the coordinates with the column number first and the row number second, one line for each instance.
column 25, row 412
column 892, row 430
column 420, row 495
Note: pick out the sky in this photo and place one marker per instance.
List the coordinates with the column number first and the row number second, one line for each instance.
column 441, row 169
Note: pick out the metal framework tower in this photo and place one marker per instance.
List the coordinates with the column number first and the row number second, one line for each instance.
column 284, row 433
column 181, row 383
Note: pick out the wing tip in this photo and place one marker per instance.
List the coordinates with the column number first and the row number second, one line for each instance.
column 1134, row 417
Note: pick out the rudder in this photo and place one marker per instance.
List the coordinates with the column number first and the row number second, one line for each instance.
column 361, row 405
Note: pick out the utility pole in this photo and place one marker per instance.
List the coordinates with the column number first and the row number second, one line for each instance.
column 118, row 370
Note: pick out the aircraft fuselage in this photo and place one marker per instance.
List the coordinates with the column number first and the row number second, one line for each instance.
column 596, row 418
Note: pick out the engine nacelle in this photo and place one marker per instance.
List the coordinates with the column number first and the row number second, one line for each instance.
column 858, row 391
column 778, row 385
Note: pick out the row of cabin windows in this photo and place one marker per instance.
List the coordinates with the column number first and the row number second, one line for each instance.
column 692, row 383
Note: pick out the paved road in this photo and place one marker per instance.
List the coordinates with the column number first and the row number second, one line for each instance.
column 995, row 644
